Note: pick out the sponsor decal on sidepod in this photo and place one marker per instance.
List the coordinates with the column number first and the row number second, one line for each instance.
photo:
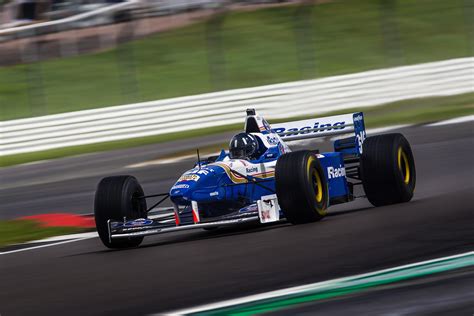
column 336, row 172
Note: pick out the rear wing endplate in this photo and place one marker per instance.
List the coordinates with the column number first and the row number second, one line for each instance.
column 325, row 126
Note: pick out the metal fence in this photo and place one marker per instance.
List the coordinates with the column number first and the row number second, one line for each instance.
column 228, row 107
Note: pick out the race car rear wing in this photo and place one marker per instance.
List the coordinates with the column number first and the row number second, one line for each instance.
column 325, row 126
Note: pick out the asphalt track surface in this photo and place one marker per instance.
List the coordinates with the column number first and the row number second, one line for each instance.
column 450, row 293
column 192, row 268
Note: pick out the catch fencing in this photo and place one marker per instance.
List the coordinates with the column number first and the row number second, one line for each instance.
column 276, row 101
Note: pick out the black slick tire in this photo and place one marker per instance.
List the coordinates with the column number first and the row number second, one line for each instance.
column 116, row 198
column 301, row 187
column 387, row 169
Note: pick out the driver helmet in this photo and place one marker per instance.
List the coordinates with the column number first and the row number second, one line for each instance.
column 243, row 146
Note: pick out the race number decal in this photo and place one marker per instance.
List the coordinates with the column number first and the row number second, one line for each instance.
column 360, row 140
column 359, row 131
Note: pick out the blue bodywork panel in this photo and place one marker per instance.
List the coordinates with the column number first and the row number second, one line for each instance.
column 333, row 166
column 219, row 187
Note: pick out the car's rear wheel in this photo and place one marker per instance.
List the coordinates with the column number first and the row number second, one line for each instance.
column 116, row 198
column 387, row 169
column 301, row 187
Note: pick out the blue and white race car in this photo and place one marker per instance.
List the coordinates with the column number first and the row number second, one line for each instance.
column 261, row 179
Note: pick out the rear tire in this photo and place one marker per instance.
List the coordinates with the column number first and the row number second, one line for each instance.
column 387, row 169
column 114, row 200
column 301, row 187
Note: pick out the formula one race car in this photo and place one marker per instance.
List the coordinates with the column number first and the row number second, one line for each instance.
column 260, row 179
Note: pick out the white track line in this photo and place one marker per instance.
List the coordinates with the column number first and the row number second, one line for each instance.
column 378, row 130
column 462, row 119
column 160, row 161
column 44, row 246
column 64, row 237
column 298, row 289
column 165, row 160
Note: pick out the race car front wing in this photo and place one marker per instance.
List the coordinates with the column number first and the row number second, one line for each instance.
column 147, row 227
column 267, row 211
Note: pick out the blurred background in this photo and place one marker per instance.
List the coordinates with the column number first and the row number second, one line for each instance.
column 116, row 52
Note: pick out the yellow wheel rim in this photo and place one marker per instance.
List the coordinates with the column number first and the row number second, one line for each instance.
column 403, row 165
column 319, row 194
column 315, row 176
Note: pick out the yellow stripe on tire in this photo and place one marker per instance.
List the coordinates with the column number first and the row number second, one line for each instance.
column 319, row 184
column 405, row 171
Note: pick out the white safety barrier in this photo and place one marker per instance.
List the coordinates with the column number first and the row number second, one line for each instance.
column 65, row 23
column 369, row 88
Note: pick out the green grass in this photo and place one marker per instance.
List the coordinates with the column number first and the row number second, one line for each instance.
column 259, row 47
column 404, row 112
column 18, row 231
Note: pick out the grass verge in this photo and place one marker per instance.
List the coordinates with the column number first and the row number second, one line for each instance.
column 414, row 111
column 18, row 231
column 253, row 48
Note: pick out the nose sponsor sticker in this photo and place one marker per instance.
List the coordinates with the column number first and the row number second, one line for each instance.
column 180, row 186
column 189, row 177
column 336, row 172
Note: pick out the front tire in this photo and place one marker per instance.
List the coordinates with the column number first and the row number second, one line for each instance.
column 301, row 187
column 116, row 198
column 387, row 169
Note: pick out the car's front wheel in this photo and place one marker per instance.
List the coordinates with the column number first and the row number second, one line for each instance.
column 301, row 187
column 117, row 198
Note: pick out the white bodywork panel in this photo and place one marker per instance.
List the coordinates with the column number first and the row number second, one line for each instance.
column 268, row 209
column 316, row 127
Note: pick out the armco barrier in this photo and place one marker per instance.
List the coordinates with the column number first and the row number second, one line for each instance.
column 369, row 88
